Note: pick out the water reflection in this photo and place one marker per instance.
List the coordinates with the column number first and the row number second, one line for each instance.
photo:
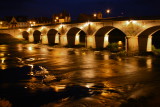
column 75, row 76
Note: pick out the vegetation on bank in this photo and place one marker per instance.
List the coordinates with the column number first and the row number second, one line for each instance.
column 8, row 39
column 155, row 51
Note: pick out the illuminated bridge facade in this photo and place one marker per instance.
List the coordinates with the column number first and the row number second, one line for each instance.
column 134, row 35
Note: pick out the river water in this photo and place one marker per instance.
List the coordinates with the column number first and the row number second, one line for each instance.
column 34, row 75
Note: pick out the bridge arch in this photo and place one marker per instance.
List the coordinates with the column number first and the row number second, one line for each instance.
column 25, row 35
column 149, row 37
column 53, row 37
column 37, row 36
column 76, row 36
column 109, row 34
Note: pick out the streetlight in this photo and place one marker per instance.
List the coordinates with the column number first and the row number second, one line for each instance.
column 95, row 15
column 57, row 18
column 108, row 11
column 32, row 23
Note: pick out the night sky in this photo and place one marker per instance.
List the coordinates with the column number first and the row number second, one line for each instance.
column 37, row 8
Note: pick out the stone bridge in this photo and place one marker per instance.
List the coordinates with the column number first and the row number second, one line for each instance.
column 134, row 35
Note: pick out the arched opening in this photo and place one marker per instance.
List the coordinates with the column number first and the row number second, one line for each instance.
column 82, row 38
column 37, row 36
column 76, row 37
column 156, row 39
column 148, row 38
column 25, row 35
column 108, row 35
column 53, row 37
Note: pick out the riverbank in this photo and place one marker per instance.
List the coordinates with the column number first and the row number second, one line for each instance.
column 6, row 39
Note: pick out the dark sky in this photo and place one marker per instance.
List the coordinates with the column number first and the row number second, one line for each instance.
column 75, row 7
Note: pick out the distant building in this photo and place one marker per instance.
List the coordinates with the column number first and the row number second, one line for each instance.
column 89, row 17
column 61, row 17
column 97, row 15
column 3, row 24
column 85, row 17
column 16, row 22
column 40, row 21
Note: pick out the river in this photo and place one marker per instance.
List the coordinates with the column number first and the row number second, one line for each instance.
column 34, row 75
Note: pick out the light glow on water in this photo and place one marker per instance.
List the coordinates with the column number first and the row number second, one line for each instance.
column 30, row 48
column 78, row 74
column 2, row 60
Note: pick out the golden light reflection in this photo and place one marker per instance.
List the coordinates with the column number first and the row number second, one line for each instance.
column 89, row 85
column 88, row 74
column 2, row 54
column 30, row 48
column 119, row 59
column 2, row 60
column 20, row 47
column 3, row 67
column 3, row 48
column 107, row 94
column 83, row 53
column 58, row 88
column 149, row 63
column 45, row 50
column 106, row 57
column 107, row 84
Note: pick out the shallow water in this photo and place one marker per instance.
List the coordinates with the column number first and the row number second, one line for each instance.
column 34, row 75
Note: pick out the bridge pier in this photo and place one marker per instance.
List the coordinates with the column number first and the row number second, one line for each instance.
column 132, row 44
column 44, row 39
column 63, row 40
column 30, row 37
column 90, row 41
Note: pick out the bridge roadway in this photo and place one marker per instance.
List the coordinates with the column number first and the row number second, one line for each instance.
column 95, row 34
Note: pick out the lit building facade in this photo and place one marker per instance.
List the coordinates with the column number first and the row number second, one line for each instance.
column 61, row 17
